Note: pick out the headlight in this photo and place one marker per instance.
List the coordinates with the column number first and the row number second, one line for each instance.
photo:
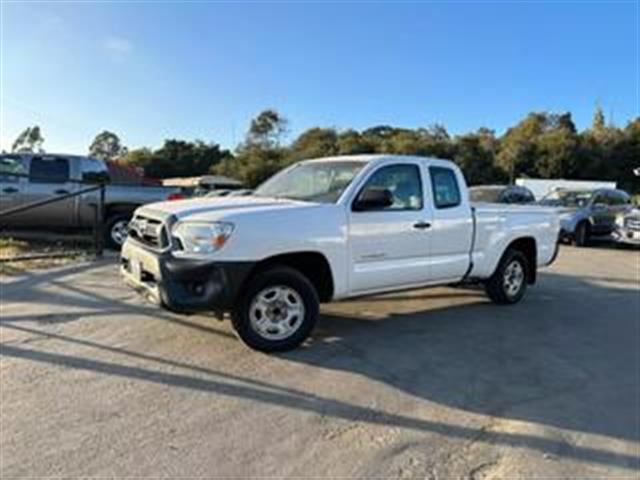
column 202, row 238
column 620, row 220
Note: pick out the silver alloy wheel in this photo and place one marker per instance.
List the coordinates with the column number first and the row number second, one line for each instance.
column 119, row 231
column 276, row 312
column 513, row 278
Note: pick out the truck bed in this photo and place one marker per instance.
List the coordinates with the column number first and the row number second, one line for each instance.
column 493, row 221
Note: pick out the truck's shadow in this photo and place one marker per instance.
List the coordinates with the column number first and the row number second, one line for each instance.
column 566, row 357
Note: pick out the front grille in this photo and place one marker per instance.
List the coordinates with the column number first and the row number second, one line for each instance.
column 633, row 224
column 149, row 231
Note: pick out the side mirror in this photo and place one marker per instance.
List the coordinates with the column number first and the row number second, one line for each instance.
column 373, row 198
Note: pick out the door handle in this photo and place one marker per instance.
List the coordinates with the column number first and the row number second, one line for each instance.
column 61, row 192
column 10, row 190
column 422, row 225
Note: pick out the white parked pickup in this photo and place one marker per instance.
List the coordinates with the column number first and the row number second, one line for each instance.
column 330, row 229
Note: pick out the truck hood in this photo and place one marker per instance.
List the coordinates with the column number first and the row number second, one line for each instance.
column 211, row 209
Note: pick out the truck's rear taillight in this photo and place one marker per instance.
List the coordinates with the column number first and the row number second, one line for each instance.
column 176, row 196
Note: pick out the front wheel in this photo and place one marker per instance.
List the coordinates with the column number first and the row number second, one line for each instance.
column 116, row 231
column 277, row 310
column 508, row 283
column 582, row 234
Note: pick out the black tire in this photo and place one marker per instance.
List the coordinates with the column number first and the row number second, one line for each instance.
column 495, row 287
column 581, row 237
column 113, row 222
column 276, row 277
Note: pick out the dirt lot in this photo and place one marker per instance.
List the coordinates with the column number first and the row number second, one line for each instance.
column 427, row 384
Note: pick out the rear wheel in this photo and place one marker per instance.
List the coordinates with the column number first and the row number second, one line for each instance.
column 277, row 310
column 508, row 283
column 582, row 234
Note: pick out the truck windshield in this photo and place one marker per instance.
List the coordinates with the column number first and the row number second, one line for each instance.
column 321, row 182
column 566, row 198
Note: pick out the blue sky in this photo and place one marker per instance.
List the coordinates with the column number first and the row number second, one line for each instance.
column 149, row 71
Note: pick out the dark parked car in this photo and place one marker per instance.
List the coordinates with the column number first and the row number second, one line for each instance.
column 27, row 178
column 587, row 213
column 512, row 194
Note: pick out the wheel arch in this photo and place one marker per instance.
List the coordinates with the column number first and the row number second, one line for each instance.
column 529, row 248
column 121, row 208
column 312, row 264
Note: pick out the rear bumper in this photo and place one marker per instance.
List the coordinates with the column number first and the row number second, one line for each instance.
column 182, row 285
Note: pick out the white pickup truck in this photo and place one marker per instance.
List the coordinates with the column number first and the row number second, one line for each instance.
column 330, row 229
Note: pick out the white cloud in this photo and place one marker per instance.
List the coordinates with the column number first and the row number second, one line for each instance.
column 117, row 46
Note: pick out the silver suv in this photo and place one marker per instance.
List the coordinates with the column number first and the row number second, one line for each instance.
column 587, row 213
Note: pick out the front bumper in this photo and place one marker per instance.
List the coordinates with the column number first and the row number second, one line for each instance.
column 626, row 235
column 179, row 284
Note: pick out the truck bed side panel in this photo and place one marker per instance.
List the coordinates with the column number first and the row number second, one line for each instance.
column 498, row 226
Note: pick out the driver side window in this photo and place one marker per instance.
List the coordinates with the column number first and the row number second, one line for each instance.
column 601, row 199
column 403, row 182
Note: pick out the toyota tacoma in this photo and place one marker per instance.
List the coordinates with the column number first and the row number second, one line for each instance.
column 329, row 229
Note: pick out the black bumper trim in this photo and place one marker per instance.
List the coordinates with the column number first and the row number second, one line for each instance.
column 190, row 286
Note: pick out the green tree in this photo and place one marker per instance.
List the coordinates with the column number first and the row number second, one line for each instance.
column 260, row 155
column 254, row 165
column 475, row 155
column 625, row 157
column 517, row 155
column 378, row 138
column 314, row 143
column 404, row 142
column 557, row 148
column 599, row 146
column 29, row 141
column 351, row 142
column 178, row 158
column 542, row 144
column 107, row 146
column 437, row 141
column 267, row 129
column 140, row 157
column 599, row 121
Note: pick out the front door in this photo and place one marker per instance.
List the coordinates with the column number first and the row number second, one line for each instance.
column 11, row 186
column 389, row 246
column 603, row 213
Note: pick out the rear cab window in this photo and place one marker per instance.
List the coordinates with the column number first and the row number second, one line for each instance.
column 444, row 184
column 45, row 169
column 93, row 171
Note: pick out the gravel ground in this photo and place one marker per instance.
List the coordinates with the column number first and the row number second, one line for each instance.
column 426, row 384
